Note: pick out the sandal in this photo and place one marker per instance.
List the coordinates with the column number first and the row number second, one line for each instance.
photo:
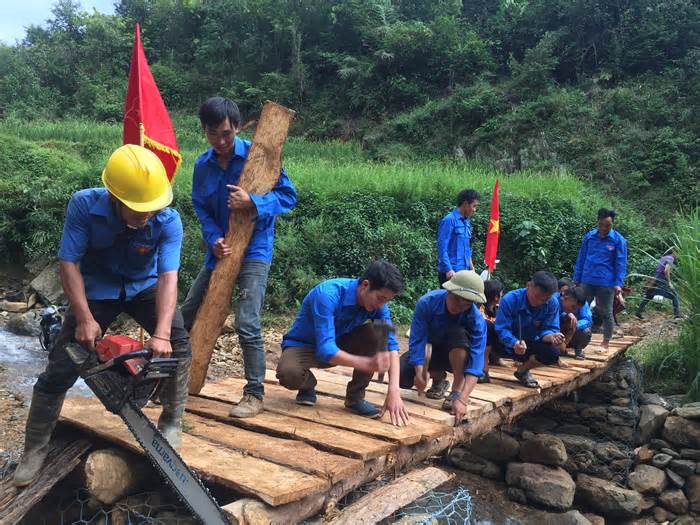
column 447, row 403
column 484, row 379
column 437, row 389
column 526, row 379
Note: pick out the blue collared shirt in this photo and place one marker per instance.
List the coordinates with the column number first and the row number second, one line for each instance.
column 328, row 312
column 429, row 325
column 601, row 261
column 453, row 242
column 210, row 202
column 116, row 260
column 516, row 319
column 584, row 316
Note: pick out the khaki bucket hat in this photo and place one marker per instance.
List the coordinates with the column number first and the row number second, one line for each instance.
column 468, row 285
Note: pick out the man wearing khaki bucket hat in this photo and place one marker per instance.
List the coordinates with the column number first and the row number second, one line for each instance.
column 450, row 321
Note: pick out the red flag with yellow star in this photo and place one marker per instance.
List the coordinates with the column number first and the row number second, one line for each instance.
column 492, row 233
column 146, row 120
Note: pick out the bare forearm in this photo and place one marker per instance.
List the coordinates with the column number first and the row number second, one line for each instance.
column 166, row 300
column 344, row 358
column 74, row 288
column 469, row 384
column 394, row 369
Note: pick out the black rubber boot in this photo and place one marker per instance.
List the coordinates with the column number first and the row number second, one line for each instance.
column 43, row 415
column 173, row 398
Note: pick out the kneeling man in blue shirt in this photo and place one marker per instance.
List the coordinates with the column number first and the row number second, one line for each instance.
column 347, row 322
column 451, row 322
column 527, row 323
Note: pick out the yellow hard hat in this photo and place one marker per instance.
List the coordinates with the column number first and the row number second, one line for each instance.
column 136, row 176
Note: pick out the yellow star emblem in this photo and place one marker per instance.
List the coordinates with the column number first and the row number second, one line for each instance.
column 494, row 226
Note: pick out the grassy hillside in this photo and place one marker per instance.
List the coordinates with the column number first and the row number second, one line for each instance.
column 350, row 209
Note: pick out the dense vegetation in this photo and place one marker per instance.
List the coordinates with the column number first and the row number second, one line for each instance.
column 349, row 211
column 608, row 89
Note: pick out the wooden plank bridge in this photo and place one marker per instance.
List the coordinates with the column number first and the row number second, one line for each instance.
column 292, row 461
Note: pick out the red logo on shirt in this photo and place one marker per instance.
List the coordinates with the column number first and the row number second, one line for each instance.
column 143, row 249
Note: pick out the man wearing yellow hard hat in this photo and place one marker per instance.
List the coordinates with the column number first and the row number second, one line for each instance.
column 120, row 252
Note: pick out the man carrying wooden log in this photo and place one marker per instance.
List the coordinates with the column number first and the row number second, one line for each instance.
column 527, row 323
column 451, row 322
column 600, row 268
column 347, row 322
column 215, row 195
column 120, row 252
column 454, row 236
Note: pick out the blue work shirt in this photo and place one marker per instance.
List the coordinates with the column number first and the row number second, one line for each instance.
column 601, row 261
column 453, row 242
column 116, row 260
column 516, row 319
column 328, row 312
column 584, row 316
column 210, row 202
column 430, row 323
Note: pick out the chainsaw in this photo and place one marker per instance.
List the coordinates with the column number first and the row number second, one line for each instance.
column 124, row 376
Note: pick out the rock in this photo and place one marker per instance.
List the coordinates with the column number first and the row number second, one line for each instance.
column 622, row 464
column 684, row 467
column 48, row 285
column 683, row 520
column 692, row 491
column 690, row 453
column 607, row 451
column 594, row 519
column 644, row 454
column 661, row 460
column 697, row 469
column 651, row 419
column 537, row 423
column 624, row 433
column 607, row 498
column 516, row 494
column 681, row 431
column 549, row 486
column 689, row 411
column 670, row 452
column 677, row 480
column 653, row 399
column 658, row 444
column 573, row 429
column 545, row 449
column 660, row 514
column 595, row 412
column 496, row 446
column 466, row 460
column 576, row 444
column 647, row 479
column 14, row 307
column 674, row 500
column 621, row 402
column 24, row 324
column 573, row 517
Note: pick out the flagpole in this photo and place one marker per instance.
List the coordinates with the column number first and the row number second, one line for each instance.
column 142, row 134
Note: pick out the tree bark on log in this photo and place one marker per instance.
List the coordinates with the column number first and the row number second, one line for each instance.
column 62, row 459
column 384, row 501
column 112, row 473
column 259, row 176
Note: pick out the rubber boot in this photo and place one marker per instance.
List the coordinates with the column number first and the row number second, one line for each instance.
column 173, row 397
column 43, row 415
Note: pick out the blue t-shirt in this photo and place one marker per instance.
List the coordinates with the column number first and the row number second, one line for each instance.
column 330, row 311
column 453, row 242
column 516, row 319
column 429, row 325
column 584, row 316
column 210, row 202
column 116, row 260
column 601, row 261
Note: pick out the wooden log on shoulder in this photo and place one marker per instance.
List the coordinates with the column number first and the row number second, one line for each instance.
column 112, row 473
column 384, row 501
column 259, row 176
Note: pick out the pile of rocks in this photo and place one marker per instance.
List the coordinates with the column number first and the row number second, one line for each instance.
column 580, row 451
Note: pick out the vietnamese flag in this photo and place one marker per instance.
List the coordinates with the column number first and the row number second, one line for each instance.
column 146, row 121
column 493, row 231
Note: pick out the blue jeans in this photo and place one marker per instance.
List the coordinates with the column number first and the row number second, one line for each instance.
column 604, row 297
column 248, row 302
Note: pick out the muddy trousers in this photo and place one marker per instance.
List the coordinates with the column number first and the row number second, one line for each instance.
column 294, row 367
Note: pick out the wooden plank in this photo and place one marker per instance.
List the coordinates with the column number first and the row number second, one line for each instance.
column 494, row 372
column 327, row 438
column 260, row 174
column 336, row 388
column 288, row 452
column 384, row 501
column 272, row 483
column 62, row 459
column 328, row 411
